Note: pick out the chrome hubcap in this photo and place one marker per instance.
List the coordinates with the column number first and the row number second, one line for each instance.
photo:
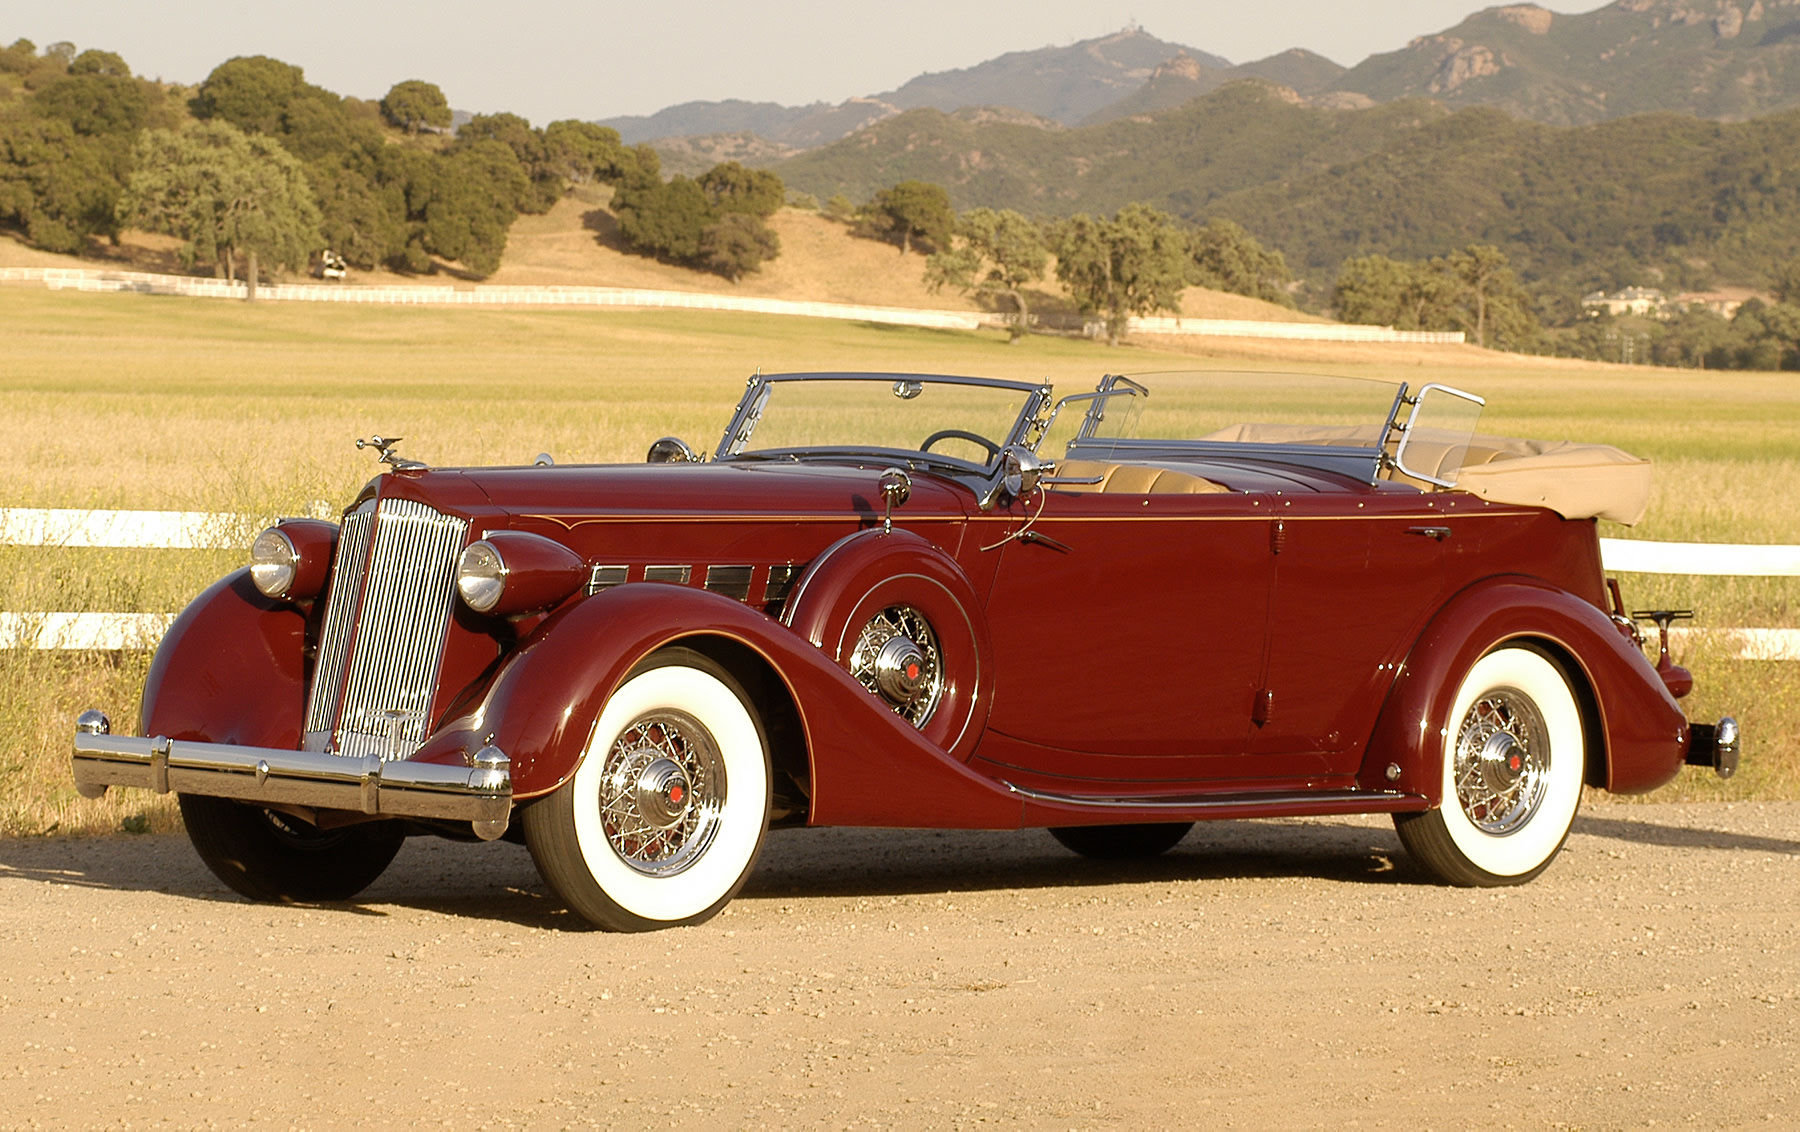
column 1502, row 761
column 662, row 791
column 900, row 670
column 897, row 658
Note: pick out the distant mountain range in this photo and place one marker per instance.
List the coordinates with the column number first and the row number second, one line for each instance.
column 1664, row 198
column 1647, row 141
column 1720, row 59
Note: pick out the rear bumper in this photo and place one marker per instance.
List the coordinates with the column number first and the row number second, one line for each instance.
column 480, row 794
column 1714, row 745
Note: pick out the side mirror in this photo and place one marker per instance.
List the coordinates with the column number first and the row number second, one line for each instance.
column 896, row 488
column 1020, row 470
column 671, row 450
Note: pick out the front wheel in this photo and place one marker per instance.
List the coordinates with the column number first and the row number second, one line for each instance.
column 267, row 855
column 1515, row 755
column 666, row 812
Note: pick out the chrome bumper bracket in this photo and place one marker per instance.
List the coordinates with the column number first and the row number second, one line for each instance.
column 1714, row 745
column 480, row 794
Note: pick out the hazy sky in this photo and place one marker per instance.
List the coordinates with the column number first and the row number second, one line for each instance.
column 549, row 59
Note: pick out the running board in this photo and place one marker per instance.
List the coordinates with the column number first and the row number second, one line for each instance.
column 1044, row 808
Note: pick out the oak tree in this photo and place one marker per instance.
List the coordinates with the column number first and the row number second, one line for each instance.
column 1133, row 264
column 225, row 193
column 997, row 253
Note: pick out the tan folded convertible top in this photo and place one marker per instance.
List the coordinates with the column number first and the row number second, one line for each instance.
column 1577, row 481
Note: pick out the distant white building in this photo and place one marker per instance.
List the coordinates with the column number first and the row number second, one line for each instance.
column 1632, row 300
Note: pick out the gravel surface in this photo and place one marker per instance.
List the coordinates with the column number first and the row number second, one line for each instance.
column 1293, row 973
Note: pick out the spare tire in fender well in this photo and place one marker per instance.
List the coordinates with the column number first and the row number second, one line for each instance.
column 863, row 574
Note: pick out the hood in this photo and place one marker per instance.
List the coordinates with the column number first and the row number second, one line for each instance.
column 550, row 498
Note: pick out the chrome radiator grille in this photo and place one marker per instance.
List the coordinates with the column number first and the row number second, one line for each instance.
column 391, row 592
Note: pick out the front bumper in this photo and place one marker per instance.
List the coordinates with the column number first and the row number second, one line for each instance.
column 480, row 794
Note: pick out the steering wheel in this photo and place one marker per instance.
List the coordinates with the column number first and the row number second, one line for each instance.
column 993, row 449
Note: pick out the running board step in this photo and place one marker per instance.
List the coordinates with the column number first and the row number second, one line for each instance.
column 1203, row 807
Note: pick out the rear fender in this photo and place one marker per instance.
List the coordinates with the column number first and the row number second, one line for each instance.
column 867, row 766
column 1637, row 734
column 231, row 669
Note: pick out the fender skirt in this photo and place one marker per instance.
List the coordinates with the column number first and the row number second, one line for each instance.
column 869, row 767
column 1641, row 738
column 231, row 669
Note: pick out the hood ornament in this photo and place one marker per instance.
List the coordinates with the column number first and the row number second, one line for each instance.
column 386, row 445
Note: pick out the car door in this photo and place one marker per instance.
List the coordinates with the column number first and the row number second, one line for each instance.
column 1128, row 633
column 1355, row 579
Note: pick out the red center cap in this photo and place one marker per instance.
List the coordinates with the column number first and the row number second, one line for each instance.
column 1515, row 762
column 912, row 671
column 676, row 793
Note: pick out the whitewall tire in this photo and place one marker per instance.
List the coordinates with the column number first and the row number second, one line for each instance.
column 664, row 817
column 1514, row 758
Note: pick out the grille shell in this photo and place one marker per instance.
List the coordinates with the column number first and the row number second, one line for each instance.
column 393, row 587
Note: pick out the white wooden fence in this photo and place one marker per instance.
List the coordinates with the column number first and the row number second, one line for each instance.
column 77, row 279
column 190, row 530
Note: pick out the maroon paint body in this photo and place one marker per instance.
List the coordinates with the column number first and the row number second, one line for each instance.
column 1272, row 649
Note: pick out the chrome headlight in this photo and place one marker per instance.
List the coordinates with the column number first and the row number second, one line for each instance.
column 292, row 559
column 274, row 562
column 481, row 576
column 514, row 572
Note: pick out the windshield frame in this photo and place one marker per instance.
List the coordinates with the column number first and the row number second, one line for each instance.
column 735, row 443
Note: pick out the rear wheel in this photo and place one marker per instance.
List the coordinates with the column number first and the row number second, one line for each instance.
column 1122, row 842
column 267, row 855
column 664, row 817
column 1514, row 759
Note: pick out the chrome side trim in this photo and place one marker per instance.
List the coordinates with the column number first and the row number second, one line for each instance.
column 1345, row 801
column 481, row 794
column 677, row 575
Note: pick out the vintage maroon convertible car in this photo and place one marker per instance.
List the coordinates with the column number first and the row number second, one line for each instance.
column 899, row 600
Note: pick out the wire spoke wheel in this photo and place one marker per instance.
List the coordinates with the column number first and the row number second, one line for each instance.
column 897, row 657
column 664, row 816
column 661, row 792
column 1502, row 762
column 1515, row 756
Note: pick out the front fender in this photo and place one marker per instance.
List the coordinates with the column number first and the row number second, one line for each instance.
column 231, row 669
column 867, row 766
column 1641, row 737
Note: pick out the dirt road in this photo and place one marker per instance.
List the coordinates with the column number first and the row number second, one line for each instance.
column 1291, row 973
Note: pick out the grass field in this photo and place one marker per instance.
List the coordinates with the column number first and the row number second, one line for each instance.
column 125, row 401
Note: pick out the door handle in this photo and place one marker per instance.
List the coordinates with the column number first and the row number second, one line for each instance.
column 1435, row 534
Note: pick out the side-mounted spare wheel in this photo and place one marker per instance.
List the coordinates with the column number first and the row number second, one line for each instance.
column 1515, row 752
column 665, row 815
column 267, row 855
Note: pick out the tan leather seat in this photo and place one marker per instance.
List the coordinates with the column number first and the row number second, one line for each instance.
column 1131, row 479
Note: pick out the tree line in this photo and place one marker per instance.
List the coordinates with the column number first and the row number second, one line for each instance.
column 258, row 168
column 259, row 162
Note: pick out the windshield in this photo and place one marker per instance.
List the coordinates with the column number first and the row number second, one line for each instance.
column 1338, row 423
column 953, row 419
column 1225, row 407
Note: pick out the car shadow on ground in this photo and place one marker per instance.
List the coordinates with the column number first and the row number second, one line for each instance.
column 1681, row 836
column 861, row 862
column 499, row 883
